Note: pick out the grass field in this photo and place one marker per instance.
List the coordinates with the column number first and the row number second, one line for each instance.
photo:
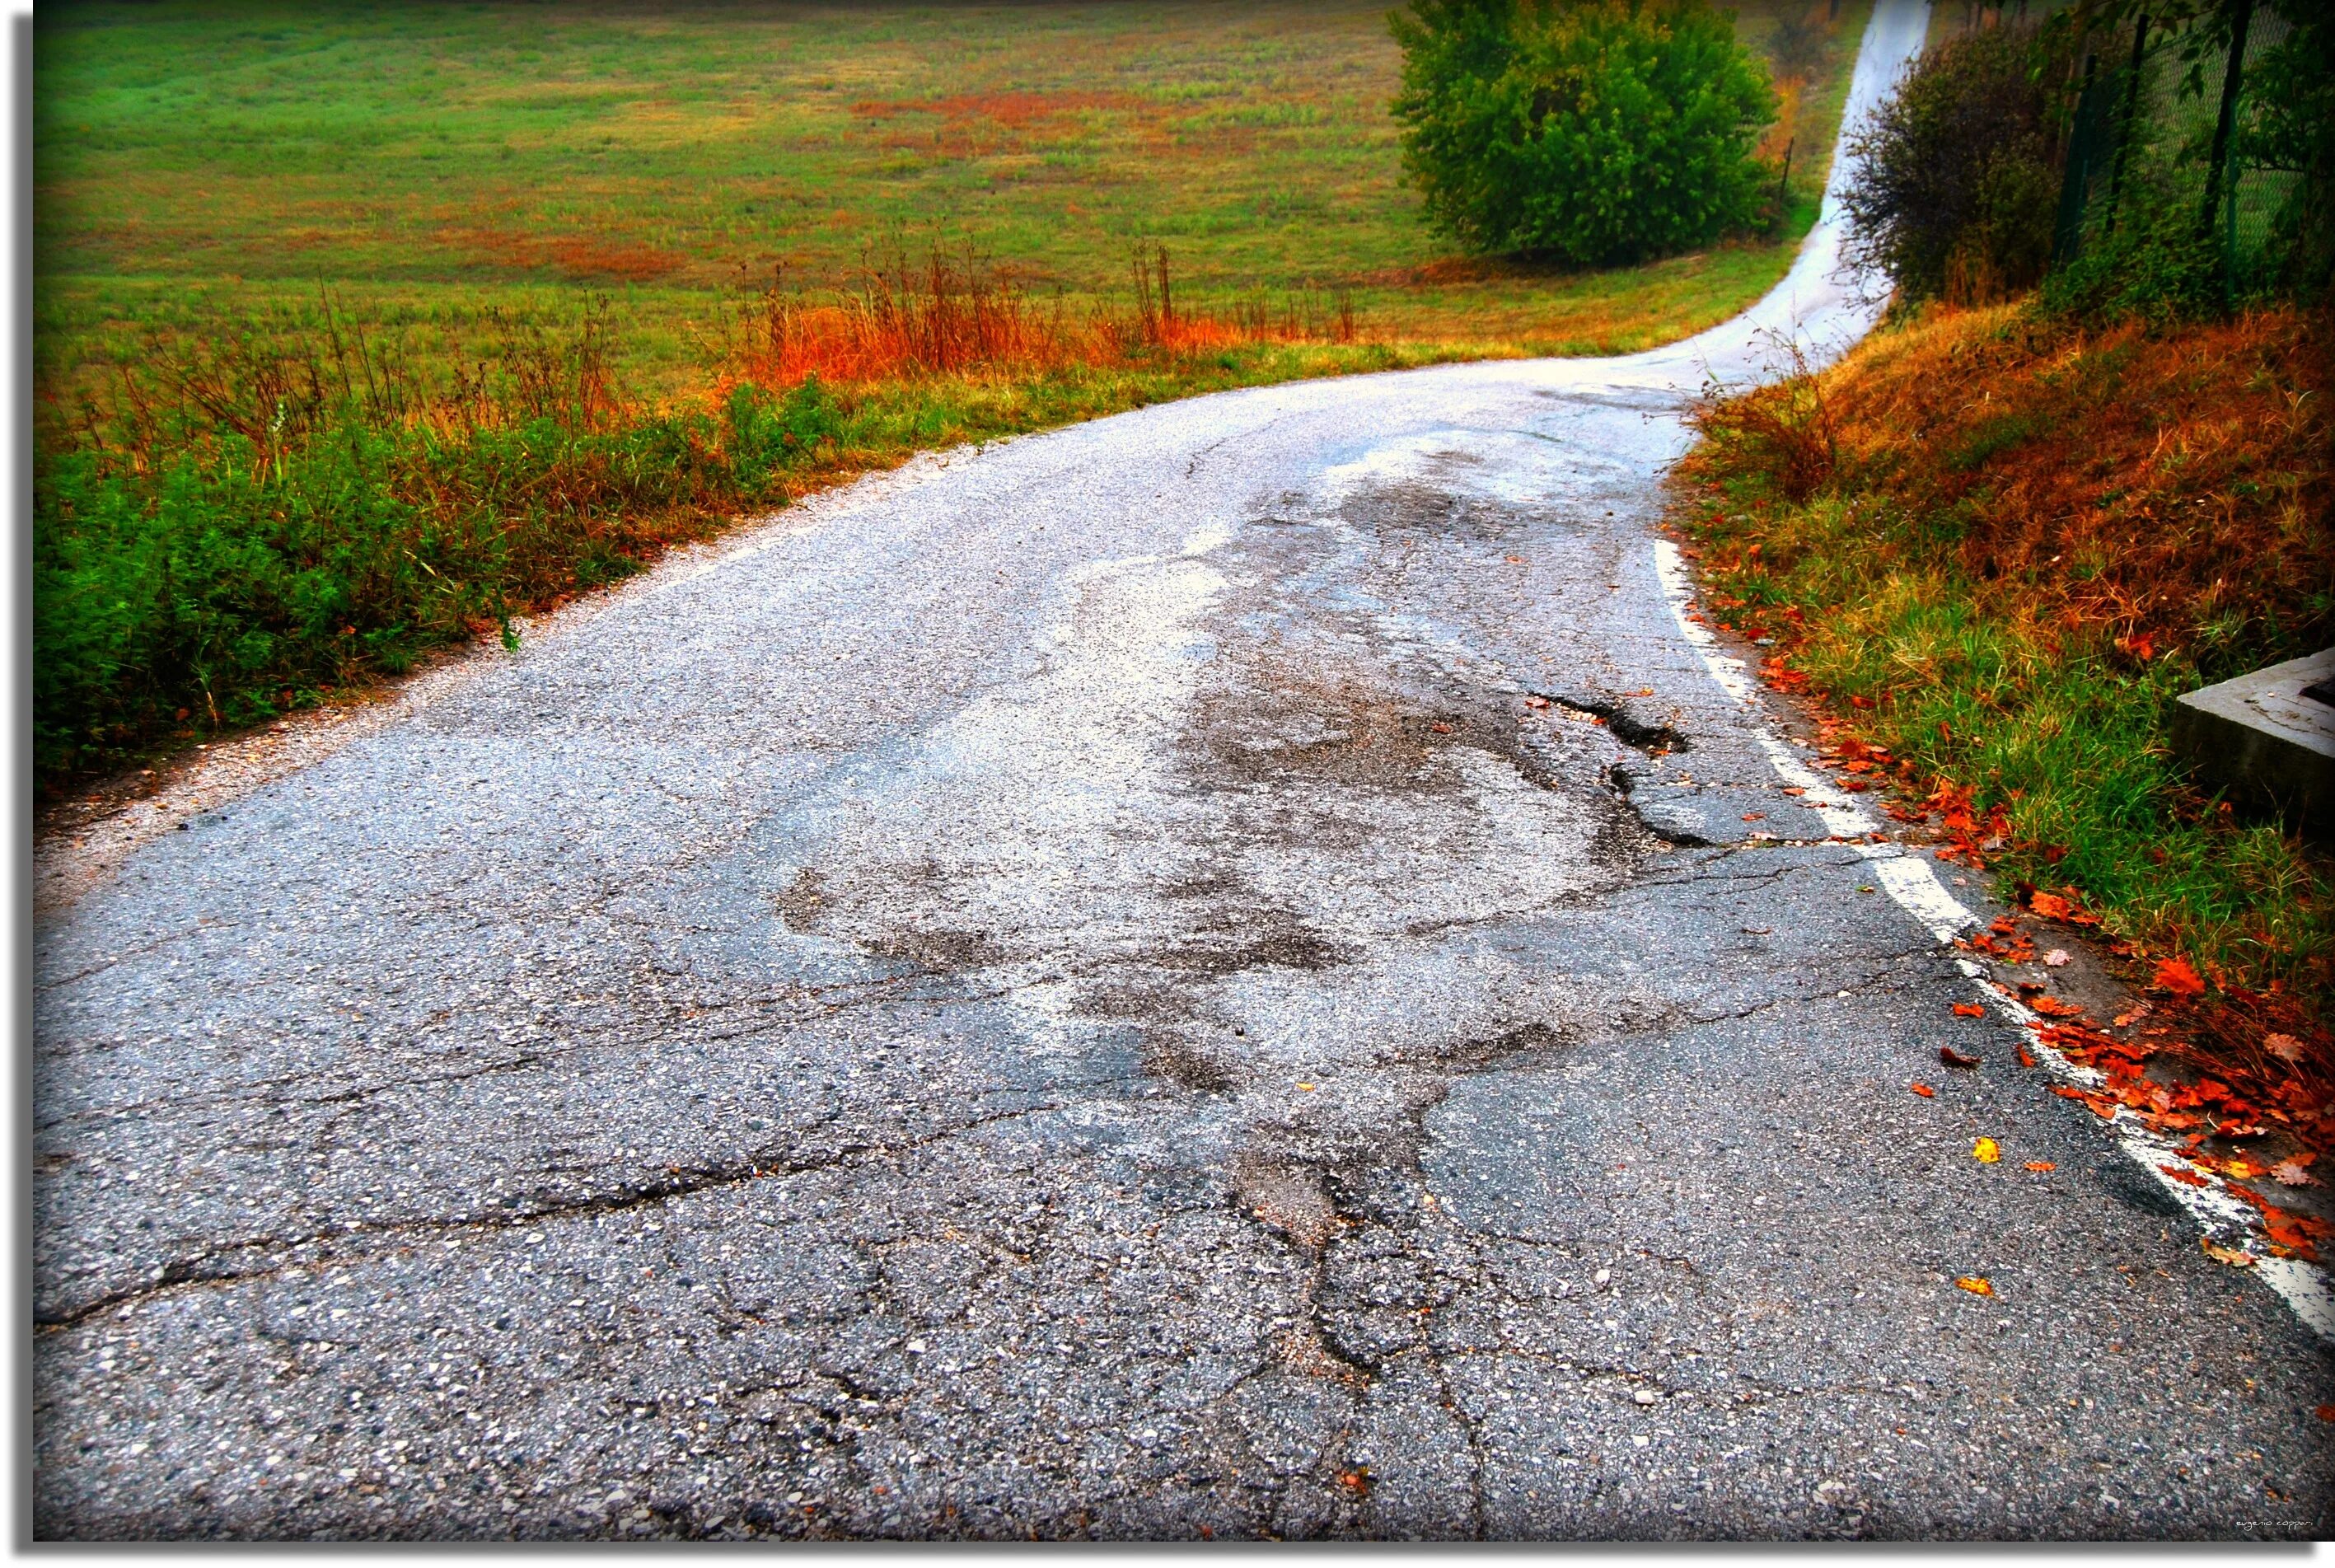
column 203, row 162
column 360, row 330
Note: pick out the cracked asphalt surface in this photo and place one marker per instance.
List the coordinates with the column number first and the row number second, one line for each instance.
column 1201, row 975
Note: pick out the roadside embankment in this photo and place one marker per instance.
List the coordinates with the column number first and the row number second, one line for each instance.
column 1996, row 547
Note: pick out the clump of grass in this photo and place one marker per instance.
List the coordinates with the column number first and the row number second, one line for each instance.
column 2031, row 538
column 955, row 312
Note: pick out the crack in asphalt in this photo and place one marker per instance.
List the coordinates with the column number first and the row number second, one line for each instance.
column 679, row 1183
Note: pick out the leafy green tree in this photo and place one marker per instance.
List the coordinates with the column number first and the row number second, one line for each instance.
column 1596, row 132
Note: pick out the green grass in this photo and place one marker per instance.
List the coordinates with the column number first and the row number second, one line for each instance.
column 2068, row 738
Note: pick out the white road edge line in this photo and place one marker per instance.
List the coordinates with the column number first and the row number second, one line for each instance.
column 1909, row 879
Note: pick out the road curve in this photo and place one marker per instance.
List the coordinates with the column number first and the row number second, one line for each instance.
column 1227, row 971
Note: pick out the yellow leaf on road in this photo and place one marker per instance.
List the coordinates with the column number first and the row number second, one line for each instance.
column 1976, row 1285
column 2237, row 1257
column 1986, row 1151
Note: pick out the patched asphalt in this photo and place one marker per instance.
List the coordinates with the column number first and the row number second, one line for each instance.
column 1225, row 972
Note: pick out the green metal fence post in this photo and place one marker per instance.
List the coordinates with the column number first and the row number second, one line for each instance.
column 2075, row 186
column 2131, row 114
column 2216, row 176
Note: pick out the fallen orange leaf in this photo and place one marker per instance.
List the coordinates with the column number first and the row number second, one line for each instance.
column 1976, row 1285
column 2237, row 1257
column 2325, row 1412
column 2175, row 975
column 2041, row 1164
column 1925, row 1090
column 2025, row 1060
column 1969, row 1010
column 1952, row 1058
column 2049, row 906
column 2187, row 1178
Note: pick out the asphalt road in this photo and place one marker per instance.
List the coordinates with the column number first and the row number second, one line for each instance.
column 1229, row 971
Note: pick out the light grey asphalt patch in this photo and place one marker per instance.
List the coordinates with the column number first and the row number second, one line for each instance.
column 1118, row 986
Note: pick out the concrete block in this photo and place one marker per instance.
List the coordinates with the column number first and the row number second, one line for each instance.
column 2269, row 739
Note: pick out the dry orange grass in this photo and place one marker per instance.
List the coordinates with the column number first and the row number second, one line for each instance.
column 2158, row 485
column 954, row 313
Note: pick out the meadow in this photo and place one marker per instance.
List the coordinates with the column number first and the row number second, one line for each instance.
column 259, row 225
column 199, row 163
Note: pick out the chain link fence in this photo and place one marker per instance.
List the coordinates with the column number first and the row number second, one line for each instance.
column 2152, row 141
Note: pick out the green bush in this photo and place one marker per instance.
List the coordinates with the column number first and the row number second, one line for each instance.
column 1594, row 132
column 1957, row 186
column 185, row 578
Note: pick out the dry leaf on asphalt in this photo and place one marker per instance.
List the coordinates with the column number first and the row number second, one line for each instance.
column 1976, row 1285
column 2237, row 1257
column 1986, row 1151
column 2056, row 958
column 1952, row 1058
column 1923, row 1090
column 2041, row 1164
column 1969, row 1010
